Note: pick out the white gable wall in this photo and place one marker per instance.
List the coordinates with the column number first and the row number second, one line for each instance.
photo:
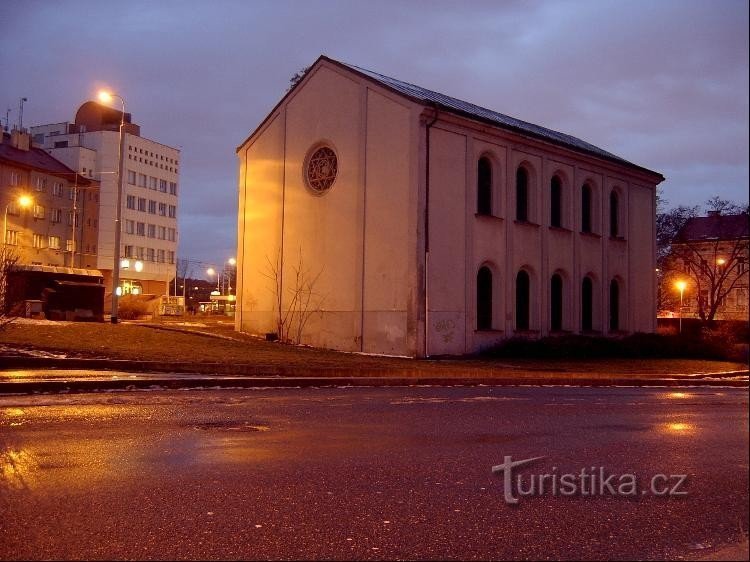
column 359, row 237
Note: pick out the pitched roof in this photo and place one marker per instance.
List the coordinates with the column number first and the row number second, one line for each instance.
column 714, row 227
column 472, row 111
column 446, row 103
column 37, row 159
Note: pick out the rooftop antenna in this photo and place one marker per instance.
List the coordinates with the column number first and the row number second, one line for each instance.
column 20, row 113
column 7, row 119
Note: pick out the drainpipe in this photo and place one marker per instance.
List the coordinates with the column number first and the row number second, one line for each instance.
column 427, row 228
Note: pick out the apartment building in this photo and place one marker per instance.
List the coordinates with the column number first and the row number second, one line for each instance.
column 150, row 177
column 50, row 213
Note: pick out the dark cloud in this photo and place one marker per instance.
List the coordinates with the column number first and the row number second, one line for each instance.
column 663, row 84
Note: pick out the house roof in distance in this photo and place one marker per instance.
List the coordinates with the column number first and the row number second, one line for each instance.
column 714, row 227
column 37, row 159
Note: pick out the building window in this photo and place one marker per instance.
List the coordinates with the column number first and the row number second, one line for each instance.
column 68, row 245
column 140, row 229
column 152, row 183
column 173, row 188
column 152, row 207
column 160, row 256
column 522, row 194
column 170, row 256
column 15, row 178
column 142, row 180
column 556, row 303
column 587, row 305
column 614, row 305
column 11, row 237
column 152, row 231
column 321, row 168
column 614, row 214
column 38, row 212
column 72, row 193
column 173, row 211
column 54, row 242
column 130, row 227
column 586, row 208
column 13, row 208
column 72, row 218
column 555, row 202
column 131, row 177
column 57, row 189
column 484, row 186
column 523, row 290
column 55, row 215
column 40, row 184
column 130, row 202
column 484, row 299
column 150, row 254
column 162, row 233
column 163, row 186
column 142, row 204
column 163, row 209
column 37, row 241
column 128, row 252
column 171, row 234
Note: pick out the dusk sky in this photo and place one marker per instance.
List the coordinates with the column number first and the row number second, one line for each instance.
column 663, row 84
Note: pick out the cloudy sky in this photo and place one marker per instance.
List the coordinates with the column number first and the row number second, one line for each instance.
column 663, row 83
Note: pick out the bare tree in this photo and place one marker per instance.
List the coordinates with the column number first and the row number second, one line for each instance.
column 8, row 258
column 715, row 267
column 297, row 77
column 303, row 300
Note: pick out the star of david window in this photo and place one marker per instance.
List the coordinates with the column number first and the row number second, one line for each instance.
column 321, row 169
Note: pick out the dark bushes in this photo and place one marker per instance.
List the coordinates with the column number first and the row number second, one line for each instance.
column 636, row 346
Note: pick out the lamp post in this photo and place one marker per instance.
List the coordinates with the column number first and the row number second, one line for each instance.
column 232, row 263
column 681, row 287
column 106, row 97
column 23, row 201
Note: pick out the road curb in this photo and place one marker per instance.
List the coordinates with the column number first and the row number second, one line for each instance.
column 156, row 383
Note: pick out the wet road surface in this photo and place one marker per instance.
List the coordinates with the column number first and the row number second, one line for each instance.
column 367, row 473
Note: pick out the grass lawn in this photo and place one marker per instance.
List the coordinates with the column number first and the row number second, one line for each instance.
column 139, row 342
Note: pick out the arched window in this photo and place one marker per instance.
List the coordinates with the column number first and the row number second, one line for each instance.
column 522, row 194
column 484, row 186
column 555, row 202
column 614, row 214
column 484, row 299
column 556, row 303
column 586, row 208
column 522, row 301
column 614, row 305
column 587, row 305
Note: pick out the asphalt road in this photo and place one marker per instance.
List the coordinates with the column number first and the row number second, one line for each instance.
column 367, row 473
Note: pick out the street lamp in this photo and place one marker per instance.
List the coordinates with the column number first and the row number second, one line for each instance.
column 23, row 201
column 228, row 274
column 681, row 287
column 211, row 272
column 106, row 97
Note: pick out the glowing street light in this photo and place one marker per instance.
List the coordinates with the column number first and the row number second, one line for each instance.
column 23, row 201
column 107, row 97
column 680, row 285
column 721, row 261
